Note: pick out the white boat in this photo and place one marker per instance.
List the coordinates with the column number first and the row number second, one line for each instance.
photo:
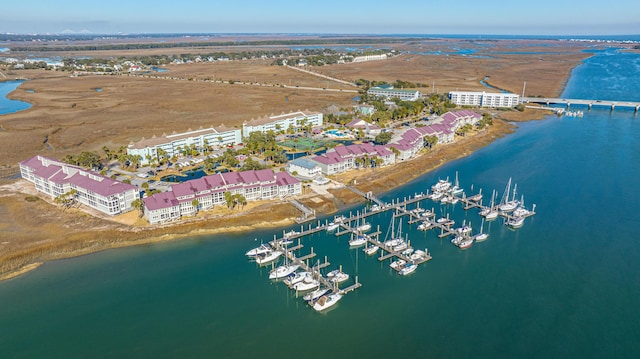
column 326, row 301
column 371, row 250
column 456, row 187
column 455, row 200
column 441, row 186
column 408, row 269
column 418, row 195
column 315, row 294
column 258, row 250
column 308, row 283
column 290, row 234
column 445, row 199
column 491, row 215
column 424, row 226
column 375, row 207
column 337, row 276
column 280, row 242
column 283, row 271
column 339, row 219
column 268, row 257
column 418, row 254
column 364, row 227
column 357, row 241
column 507, row 205
column 515, row 222
column 521, row 211
column 401, row 246
column 481, row 236
column 464, row 229
column 332, row 226
column 296, row 277
column 407, row 252
column 436, row 196
column 397, row 264
column 465, row 243
column 457, row 240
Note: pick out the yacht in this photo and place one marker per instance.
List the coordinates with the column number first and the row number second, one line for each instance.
column 326, row 301
column 408, row 269
column 283, row 271
column 258, row 250
column 315, row 294
column 465, row 243
column 441, row 186
column 424, row 226
column 308, row 283
column 364, row 227
column 400, row 246
column 375, row 207
column 464, row 229
column 268, row 257
column 507, row 205
column 398, row 264
column 480, row 237
column 457, row 240
column 515, row 222
column 296, row 277
column 332, row 226
column 290, row 234
column 436, row 196
column 337, row 276
column 418, row 254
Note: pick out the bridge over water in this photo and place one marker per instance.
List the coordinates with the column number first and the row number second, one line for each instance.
column 589, row 103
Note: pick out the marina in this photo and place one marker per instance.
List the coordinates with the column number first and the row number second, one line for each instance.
column 404, row 259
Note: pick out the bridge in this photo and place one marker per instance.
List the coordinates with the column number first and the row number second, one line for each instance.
column 589, row 103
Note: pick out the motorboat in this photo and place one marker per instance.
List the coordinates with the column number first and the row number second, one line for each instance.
column 364, row 227
column 400, row 246
column 371, row 250
column 262, row 249
column 397, row 264
column 457, row 240
column 267, row 257
column 441, row 186
column 464, row 229
column 283, row 271
column 315, row 294
column 480, row 237
column 326, row 301
column 375, row 207
column 465, row 243
column 408, row 269
column 290, row 234
column 515, row 222
column 308, row 283
column 418, row 254
column 436, row 196
column 296, row 277
column 337, row 276
column 332, row 226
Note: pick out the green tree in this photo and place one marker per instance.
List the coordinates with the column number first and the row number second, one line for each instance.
column 196, row 204
column 138, row 205
column 383, row 138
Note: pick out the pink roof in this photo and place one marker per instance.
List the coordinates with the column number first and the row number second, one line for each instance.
column 383, row 151
column 105, row 186
column 248, row 176
column 265, row 175
column 215, row 181
column 231, row 178
column 284, row 178
column 160, row 201
column 342, row 151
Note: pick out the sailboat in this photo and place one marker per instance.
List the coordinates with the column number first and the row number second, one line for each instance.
column 393, row 239
column 521, row 211
column 507, row 205
column 456, row 187
column 481, row 236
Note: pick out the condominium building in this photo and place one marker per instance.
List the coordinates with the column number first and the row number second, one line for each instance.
column 57, row 178
column 188, row 197
column 483, row 99
column 293, row 120
column 147, row 149
column 390, row 92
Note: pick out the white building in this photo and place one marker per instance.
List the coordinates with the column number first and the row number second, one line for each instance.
column 483, row 99
column 304, row 168
column 282, row 122
column 147, row 149
column 388, row 93
column 98, row 192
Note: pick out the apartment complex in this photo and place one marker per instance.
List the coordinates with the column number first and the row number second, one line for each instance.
column 390, row 92
column 188, row 197
column 57, row 178
column 484, row 99
column 283, row 122
column 172, row 144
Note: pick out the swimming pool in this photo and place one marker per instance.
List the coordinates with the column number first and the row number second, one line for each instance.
column 336, row 133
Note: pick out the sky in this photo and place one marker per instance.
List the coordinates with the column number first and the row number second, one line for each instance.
column 503, row 17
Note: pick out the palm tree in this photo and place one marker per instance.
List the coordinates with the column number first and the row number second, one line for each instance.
column 195, row 203
column 241, row 200
column 139, row 205
column 228, row 197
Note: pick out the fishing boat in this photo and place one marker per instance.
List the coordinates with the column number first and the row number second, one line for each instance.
column 358, row 240
column 262, row 249
column 268, row 257
column 408, row 269
column 296, row 277
column 337, row 276
column 315, row 294
column 283, row 271
column 326, row 301
column 370, row 250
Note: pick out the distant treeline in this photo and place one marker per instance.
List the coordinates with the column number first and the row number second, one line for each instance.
column 162, row 45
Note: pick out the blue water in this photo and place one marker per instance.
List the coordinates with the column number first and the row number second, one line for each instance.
column 564, row 285
column 185, row 176
column 7, row 105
